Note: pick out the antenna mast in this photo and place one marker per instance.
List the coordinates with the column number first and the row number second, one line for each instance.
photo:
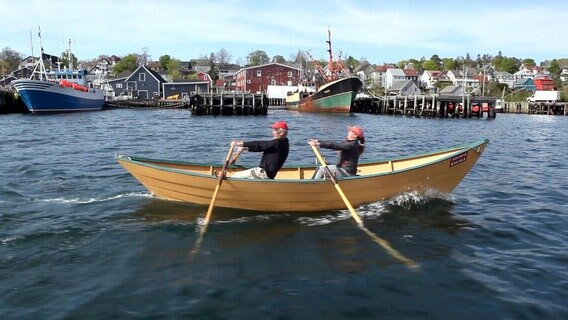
column 70, row 55
column 42, row 72
column 32, row 43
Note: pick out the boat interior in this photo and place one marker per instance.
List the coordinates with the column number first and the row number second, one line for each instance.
column 294, row 173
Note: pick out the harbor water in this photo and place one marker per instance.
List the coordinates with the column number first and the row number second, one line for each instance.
column 80, row 238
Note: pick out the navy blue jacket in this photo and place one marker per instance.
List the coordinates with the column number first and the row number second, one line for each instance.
column 349, row 155
column 274, row 156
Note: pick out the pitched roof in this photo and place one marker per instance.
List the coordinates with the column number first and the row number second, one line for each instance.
column 410, row 72
column 382, row 68
column 396, row 72
column 452, row 90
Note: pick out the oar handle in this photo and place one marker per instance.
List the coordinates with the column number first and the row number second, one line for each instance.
column 225, row 165
column 234, row 159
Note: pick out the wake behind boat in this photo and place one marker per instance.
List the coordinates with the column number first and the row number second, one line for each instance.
column 294, row 190
column 58, row 90
column 335, row 95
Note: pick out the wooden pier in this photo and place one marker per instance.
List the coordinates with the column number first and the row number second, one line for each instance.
column 428, row 106
column 228, row 104
column 9, row 103
column 207, row 104
column 546, row 108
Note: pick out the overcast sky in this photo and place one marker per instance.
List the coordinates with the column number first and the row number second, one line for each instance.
column 380, row 31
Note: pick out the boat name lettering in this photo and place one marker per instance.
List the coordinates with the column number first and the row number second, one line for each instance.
column 462, row 157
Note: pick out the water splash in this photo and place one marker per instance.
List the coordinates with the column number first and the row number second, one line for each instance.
column 97, row 199
column 414, row 199
column 326, row 219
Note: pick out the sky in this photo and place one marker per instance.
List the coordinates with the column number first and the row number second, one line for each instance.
column 378, row 31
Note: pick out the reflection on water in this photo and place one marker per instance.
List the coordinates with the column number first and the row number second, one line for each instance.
column 338, row 239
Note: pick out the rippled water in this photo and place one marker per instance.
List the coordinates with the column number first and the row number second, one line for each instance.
column 80, row 238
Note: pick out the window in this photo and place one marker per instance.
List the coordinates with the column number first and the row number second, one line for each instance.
column 289, row 74
column 248, row 81
column 259, row 73
column 119, row 85
column 142, row 77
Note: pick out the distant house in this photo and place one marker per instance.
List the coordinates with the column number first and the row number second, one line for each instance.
column 258, row 78
column 28, row 62
column 49, row 61
column 410, row 74
column 528, row 72
column 227, row 69
column 526, row 84
column 204, row 76
column 200, row 65
column 393, row 75
column 464, row 79
column 429, row 78
column 404, row 88
column 564, row 74
column 504, row 77
column 155, row 66
column 229, row 83
column 543, row 82
column 378, row 75
column 144, row 83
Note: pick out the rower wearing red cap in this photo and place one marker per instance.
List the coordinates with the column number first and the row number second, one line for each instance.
column 350, row 150
column 275, row 153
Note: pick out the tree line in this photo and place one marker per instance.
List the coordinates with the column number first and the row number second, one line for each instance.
column 10, row 59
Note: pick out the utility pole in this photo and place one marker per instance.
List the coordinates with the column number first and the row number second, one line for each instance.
column 145, row 55
column 483, row 83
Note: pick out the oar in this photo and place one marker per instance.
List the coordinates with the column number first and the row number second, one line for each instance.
column 212, row 203
column 243, row 136
column 382, row 242
column 234, row 159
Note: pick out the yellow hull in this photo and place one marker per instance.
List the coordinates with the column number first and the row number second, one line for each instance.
column 294, row 190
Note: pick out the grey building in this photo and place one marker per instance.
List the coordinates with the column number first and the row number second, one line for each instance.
column 145, row 83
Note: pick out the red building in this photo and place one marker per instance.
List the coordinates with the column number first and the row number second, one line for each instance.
column 257, row 78
column 543, row 82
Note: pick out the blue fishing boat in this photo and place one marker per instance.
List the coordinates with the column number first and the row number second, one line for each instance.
column 62, row 90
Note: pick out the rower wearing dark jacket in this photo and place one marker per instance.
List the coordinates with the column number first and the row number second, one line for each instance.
column 350, row 150
column 275, row 153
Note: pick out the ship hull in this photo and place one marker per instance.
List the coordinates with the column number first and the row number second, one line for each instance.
column 334, row 97
column 44, row 96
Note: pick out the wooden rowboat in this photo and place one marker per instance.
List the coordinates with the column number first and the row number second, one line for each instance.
column 294, row 190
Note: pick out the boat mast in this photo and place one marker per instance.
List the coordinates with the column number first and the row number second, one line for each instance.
column 42, row 72
column 335, row 68
column 69, row 56
column 330, row 66
column 31, row 43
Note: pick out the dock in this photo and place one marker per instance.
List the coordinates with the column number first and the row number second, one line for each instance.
column 225, row 104
column 545, row 108
column 432, row 106
column 228, row 104
column 10, row 103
